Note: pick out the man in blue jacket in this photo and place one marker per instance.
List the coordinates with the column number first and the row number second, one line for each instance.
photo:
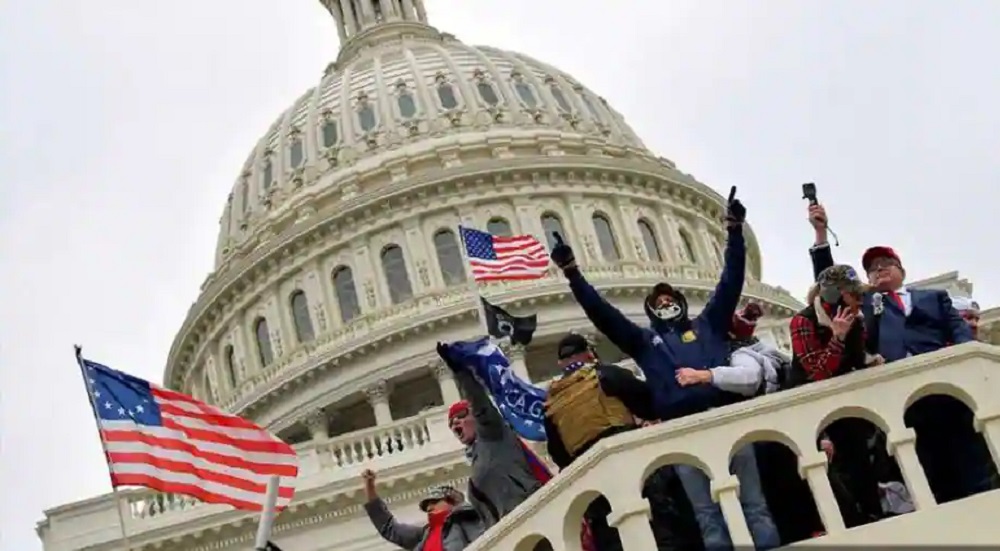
column 907, row 322
column 674, row 340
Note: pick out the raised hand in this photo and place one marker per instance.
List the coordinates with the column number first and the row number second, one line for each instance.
column 368, row 481
column 817, row 217
column 842, row 322
column 562, row 254
column 736, row 213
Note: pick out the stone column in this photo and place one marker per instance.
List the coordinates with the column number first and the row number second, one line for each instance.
column 633, row 528
column 515, row 353
column 318, row 424
column 903, row 446
column 378, row 397
column 446, row 380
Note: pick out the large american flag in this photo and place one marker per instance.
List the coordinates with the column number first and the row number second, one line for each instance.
column 495, row 258
column 171, row 442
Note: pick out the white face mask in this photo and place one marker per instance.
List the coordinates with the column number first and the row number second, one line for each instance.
column 669, row 312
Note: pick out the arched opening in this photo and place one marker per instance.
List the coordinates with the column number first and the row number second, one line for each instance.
column 649, row 240
column 955, row 457
column 449, row 257
column 396, row 276
column 263, row 336
column 230, row 359
column 688, row 244
column 606, row 238
column 499, row 227
column 669, row 482
column 347, row 293
column 552, row 224
column 300, row 317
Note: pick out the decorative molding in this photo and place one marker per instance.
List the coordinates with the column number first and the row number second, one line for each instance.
column 377, row 392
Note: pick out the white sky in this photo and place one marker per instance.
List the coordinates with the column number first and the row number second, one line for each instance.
column 123, row 125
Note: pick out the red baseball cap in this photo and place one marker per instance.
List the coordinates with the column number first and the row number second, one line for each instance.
column 880, row 251
column 457, row 408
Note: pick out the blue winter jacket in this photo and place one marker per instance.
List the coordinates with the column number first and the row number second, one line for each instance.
column 701, row 343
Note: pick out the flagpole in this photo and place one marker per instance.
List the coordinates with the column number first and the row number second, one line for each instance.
column 267, row 513
column 473, row 285
column 97, row 419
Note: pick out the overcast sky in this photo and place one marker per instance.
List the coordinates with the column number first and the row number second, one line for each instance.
column 123, row 125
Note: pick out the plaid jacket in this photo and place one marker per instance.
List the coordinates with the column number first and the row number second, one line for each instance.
column 815, row 349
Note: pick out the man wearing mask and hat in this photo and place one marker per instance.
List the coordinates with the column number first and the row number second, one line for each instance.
column 909, row 322
column 675, row 340
column 590, row 401
column 451, row 525
column 969, row 310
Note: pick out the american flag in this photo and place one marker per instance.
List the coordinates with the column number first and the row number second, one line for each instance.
column 495, row 258
column 170, row 442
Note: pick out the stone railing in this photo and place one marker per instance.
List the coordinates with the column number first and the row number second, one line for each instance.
column 339, row 458
column 420, row 310
column 616, row 467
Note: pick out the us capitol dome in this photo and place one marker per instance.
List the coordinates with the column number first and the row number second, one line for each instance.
column 338, row 268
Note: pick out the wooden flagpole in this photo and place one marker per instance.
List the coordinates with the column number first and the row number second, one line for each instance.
column 93, row 409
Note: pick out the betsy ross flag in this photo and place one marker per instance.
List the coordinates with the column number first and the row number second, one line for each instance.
column 495, row 258
column 170, row 442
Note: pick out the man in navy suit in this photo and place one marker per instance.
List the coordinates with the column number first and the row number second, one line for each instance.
column 907, row 323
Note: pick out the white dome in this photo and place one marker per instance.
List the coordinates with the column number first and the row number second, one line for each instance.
column 338, row 267
column 407, row 95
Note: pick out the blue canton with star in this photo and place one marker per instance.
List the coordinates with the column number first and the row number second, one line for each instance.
column 119, row 396
column 478, row 244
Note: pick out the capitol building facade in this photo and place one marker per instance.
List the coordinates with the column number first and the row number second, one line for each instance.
column 338, row 268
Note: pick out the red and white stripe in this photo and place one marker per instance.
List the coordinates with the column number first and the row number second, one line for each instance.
column 200, row 451
column 518, row 257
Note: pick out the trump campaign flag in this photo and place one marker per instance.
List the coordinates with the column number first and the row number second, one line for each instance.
column 171, row 442
column 521, row 403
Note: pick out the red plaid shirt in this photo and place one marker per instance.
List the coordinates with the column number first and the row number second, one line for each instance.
column 814, row 346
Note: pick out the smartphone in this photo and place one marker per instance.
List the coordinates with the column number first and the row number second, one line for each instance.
column 809, row 192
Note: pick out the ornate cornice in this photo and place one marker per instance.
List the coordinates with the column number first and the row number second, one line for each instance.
column 299, row 241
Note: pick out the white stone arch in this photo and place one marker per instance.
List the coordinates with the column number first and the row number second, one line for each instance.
column 865, row 411
column 953, row 389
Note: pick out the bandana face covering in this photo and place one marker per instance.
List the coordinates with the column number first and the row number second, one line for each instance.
column 668, row 313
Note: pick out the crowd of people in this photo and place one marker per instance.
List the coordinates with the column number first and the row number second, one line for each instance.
column 692, row 364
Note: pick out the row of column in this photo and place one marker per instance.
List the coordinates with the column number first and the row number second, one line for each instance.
column 377, row 395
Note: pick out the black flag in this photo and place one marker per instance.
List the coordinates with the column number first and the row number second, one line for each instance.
column 271, row 547
column 501, row 324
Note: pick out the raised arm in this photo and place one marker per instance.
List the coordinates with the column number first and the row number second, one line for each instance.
column 721, row 307
column 490, row 424
column 407, row 536
column 626, row 335
column 820, row 253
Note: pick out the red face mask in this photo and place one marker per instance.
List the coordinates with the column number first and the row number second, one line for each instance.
column 745, row 321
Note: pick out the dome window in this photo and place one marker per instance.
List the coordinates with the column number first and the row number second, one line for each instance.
column 296, row 153
column 268, row 176
column 487, row 92
column 550, row 225
column 499, row 226
column 230, row 356
column 688, row 246
column 405, row 102
column 449, row 257
column 524, row 90
column 396, row 276
column 606, row 238
column 347, row 293
column 329, row 133
column 649, row 240
column 446, row 94
column 263, row 335
column 300, row 316
column 557, row 94
column 366, row 114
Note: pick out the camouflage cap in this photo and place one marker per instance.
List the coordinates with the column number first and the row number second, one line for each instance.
column 836, row 279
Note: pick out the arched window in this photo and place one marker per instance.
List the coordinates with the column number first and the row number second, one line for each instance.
column 606, row 238
column 487, row 92
column 688, row 246
column 551, row 224
column 446, row 94
column 499, row 226
column 449, row 257
column 268, row 177
column 230, row 359
column 347, row 293
column 330, row 134
column 207, row 385
column 300, row 317
column 396, row 277
column 296, row 153
column 649, row 240
column 263, row 342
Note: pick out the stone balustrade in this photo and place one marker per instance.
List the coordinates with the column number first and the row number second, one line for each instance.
column 617, row 467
